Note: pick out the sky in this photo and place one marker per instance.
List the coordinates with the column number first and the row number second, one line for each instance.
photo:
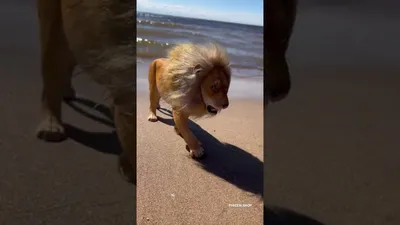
column 236, row 11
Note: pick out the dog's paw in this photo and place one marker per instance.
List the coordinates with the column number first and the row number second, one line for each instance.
column 51, row 130
column 126, row 170
column 196, row 153
column 152, row 118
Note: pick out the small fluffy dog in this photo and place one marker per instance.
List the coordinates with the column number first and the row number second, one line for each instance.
column 194, row 80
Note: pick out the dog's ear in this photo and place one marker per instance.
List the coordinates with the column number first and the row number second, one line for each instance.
column 197, row 69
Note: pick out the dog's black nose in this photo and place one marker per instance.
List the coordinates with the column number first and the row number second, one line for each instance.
column 225, row 106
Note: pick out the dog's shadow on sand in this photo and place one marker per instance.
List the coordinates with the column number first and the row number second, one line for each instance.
column 281, row 216
column 226, row 161
column 105, row 142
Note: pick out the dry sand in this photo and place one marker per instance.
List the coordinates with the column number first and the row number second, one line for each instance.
column 175, row 189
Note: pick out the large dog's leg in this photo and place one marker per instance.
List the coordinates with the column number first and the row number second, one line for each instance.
column 154, row 104
column 100, row 34
column 281, row 16
column 154, row 94
column 182, row 127
column 125, row 123
column 57, row 64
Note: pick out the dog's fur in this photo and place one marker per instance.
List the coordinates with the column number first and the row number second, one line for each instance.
column 194, row 80
column 280, row 17
column 98, row 36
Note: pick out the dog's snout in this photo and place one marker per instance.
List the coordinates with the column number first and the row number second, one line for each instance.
column 225, row 106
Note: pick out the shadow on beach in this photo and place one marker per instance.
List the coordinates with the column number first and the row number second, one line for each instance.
column 108, row 121
column 224, row 160
column 105, row 142
column 274, row 215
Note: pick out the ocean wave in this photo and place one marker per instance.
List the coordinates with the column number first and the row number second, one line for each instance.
column 150, row 49
column 149, row 55
column 143, row 41
column 158, row 33
column 160, row 24
column 147, row 48
column 241, row 66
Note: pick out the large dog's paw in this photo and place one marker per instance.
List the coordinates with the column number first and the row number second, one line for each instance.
column 126, row 170
column 51, row 130
column 278, row 81
column 152, row 117
column 195, row 153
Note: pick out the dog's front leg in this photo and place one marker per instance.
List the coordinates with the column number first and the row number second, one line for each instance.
column 182, row 126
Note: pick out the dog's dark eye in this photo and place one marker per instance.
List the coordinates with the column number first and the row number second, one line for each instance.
column 214, row 88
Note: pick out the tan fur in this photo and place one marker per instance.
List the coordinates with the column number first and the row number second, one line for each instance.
column 190, row 79
column 280, row 17
column 96, row 35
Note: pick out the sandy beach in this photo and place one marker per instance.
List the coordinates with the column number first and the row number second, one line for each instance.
column 175, row 189
column 331, row 156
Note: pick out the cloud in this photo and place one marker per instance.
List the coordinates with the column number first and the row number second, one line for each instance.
column 198, row 12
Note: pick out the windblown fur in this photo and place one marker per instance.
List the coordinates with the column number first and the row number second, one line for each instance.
column 97, row 36
column 188, row 64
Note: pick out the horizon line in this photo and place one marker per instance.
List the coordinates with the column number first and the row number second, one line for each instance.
column 166, row 14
